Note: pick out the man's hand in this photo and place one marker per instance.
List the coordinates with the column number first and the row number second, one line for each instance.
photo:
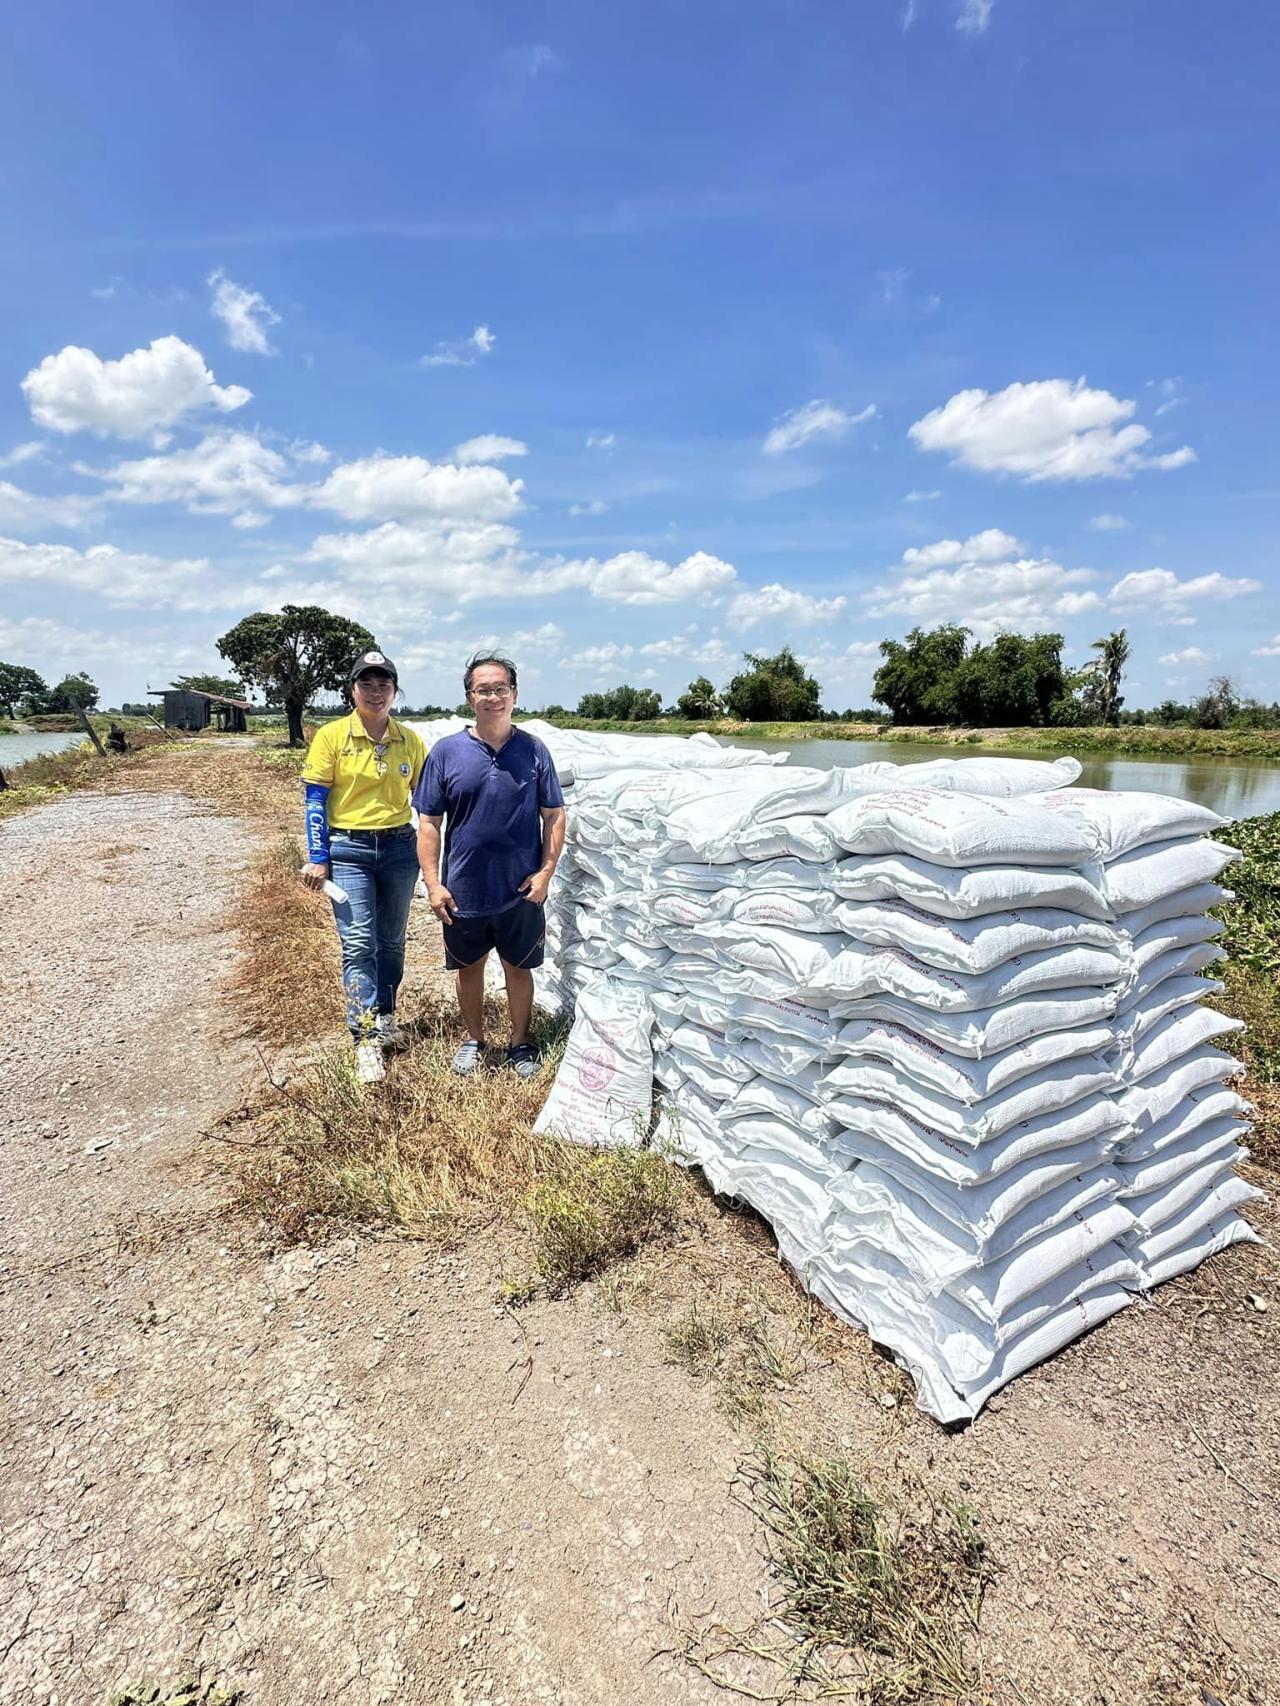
column 441, row 902
column 535, row 888
column 315, row 876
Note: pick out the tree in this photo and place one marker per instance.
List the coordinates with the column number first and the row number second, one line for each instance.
column 917, row 679
column 1216, row 708
column 700, row 701
column 774, row 689
column 623, row 704
column 1014, row 680
column 302, row 651
column 18, row 683
column 222, row 685
column 1102, row 694
column 71, row 692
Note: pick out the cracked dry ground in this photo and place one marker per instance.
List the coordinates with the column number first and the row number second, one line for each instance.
column 318, row 1476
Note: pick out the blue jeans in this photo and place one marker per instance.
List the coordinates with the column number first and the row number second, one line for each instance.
column 378, row 869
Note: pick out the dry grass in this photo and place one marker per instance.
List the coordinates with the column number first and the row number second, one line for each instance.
column 44, row 778
column 747, row 1351
column 286, row 984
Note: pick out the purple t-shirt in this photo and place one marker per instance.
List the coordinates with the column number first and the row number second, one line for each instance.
column 491, row 802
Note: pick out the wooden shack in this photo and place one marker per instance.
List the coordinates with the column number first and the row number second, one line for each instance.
column 191, row 711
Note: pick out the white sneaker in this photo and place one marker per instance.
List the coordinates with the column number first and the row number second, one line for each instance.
column 370, row 1068
column 387, row 1031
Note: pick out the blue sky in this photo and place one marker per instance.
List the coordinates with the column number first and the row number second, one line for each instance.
column 634, row 337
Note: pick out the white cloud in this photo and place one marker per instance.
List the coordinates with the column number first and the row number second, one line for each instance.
column 143, row 393
column 26, row 512
column 909, row 14
column 1160, row 592
column 21, row 453
column 245, row 314
column 226, row 473
column 597, row 506
column 862, row 649
column 1270, row 650
column 42, row 638
column 974, row 16
column 711, row 653
column 1108, row 523
column 488, row 447
column 989, row 546
column 777, row 603
column 131, row 578
column 598, row 660
column 634, row 577
column 463, row 352
column 921, row 497
column 1171, row 396
column 601, row 440
column 1191, row 654
column 893, row 281
column 1019, row 596
column 537, row 60
column 1048, row 429
column 409, row 488
column 818, row 418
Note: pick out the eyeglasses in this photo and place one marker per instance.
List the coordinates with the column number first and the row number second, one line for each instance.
column 490, row 692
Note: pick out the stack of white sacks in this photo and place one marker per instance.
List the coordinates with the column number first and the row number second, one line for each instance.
column 942, row 1025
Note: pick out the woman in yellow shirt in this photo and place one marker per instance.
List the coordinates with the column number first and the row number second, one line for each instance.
column 359, row 774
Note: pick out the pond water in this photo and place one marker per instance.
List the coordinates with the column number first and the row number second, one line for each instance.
column 1234, row 787
column 17, row 749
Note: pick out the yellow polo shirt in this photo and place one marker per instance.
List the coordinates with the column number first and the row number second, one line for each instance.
column 344, row 760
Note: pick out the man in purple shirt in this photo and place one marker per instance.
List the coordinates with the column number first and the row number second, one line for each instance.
column 495, row 789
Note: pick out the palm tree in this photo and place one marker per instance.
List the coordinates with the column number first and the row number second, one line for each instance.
column 1108, row 668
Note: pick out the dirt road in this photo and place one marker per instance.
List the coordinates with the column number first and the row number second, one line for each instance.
column 306, row 1477
column 324, row 1477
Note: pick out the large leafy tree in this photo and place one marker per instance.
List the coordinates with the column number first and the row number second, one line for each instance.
column 72, row 692
column 220, row 684
column 623, row 704
column 1014, row 680
column 293, row 656
column 700, row 701
column 774, row 689
column 917, row 679
column 19, row 685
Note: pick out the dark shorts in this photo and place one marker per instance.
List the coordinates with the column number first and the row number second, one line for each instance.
column 517, row 933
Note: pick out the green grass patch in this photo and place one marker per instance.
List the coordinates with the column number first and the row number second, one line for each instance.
column 594, row 1207
column 189, row 1692
column 1252, row 941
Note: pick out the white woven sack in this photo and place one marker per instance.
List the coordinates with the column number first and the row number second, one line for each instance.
column 1210, row 1240
column 1117, row 820
column 967, row 945
column 1142, row 1010
column 1195, row 901
column 1212, row 1208
column 992, row 1030
column 804, row 838
column 879, row 1132
column 1000, row 778
column 1215, row 1141
column 790, row 909
column 712, row 1050
column 794, row 958
column 603, row 1092
column 1179, row 963
column 1212, row 1105
column 1178, row 1033
column 1156, row 1208
column 868, row 1203
column 1032, row 1098
column 858, row 973
column 959, row 893
column 992, row 1292
column 785, row 1058
column 1158, row 1094
column 959, row 829
column 1170, row 935
column 1149, row 874
column 955, row 1076
column 769, row 1099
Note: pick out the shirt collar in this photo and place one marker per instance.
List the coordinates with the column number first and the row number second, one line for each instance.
column 357, row 731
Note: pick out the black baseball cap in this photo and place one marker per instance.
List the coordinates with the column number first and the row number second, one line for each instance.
column 373, row 660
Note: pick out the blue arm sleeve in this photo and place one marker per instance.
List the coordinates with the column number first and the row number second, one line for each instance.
column 317, row 813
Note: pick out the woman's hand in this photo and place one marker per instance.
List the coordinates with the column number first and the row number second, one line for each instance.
column 441, row 902
column 315, row 876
